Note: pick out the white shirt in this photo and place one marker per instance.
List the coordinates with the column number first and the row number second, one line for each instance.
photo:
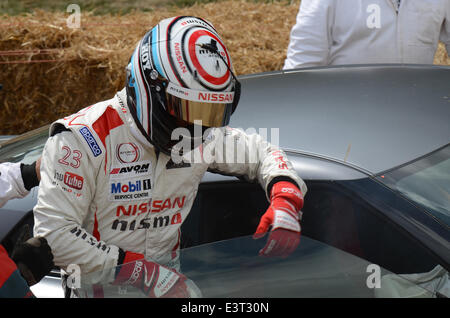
column 11, row 182
column 336, row 32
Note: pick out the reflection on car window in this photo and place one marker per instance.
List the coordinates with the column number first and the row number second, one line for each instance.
column 232, row 268
column 334, row 215
column 25, row 148
column 426, row 182
column 223, row 210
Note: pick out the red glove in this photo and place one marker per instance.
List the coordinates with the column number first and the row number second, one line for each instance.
column 153, row 279
column 286, row 200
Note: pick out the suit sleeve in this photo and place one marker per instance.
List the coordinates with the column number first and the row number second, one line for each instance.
column 234, row 152
column 310, row 38
column 11, row 182
column 68, row 183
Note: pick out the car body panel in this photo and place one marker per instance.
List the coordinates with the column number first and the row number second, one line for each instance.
column 374, row 118
column 313, row 167
column 49, row 287
column 10, row 218
column 4, row 138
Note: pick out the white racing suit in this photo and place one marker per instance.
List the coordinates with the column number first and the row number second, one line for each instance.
column 103, row 186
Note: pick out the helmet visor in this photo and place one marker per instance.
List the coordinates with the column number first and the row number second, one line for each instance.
column 212, row 108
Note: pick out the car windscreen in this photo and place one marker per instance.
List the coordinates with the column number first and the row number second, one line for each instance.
column 426, row 182
column 25, row 148
column 233, row 268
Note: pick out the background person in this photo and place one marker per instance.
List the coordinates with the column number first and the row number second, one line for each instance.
column 180, row 72
column 334, row 32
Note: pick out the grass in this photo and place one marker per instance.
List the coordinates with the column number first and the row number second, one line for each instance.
column 101, row 7
column 17, row 7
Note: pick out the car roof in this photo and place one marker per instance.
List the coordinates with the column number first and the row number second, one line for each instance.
column 371, row 117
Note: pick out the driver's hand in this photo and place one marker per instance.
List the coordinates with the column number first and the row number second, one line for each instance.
column 33, row 257
column 282, row 217
column 154, row 280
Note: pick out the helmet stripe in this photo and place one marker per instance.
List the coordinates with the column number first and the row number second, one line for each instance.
column 136, row 87
column 144, row 100
column 144, row 97
column 155, row 53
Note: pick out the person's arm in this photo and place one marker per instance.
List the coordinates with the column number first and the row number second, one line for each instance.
column 66, row 190
column 233, row 152
column 17, row 179
column 11, row 182
column 310, row 38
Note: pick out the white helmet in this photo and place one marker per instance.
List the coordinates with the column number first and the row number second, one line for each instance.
column 180, row 72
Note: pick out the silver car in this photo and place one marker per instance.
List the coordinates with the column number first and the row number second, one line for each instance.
column 371, row 143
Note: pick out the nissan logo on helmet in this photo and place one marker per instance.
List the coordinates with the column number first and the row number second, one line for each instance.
column 215, row 97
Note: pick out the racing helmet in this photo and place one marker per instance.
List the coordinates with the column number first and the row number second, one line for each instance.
column 180, row 75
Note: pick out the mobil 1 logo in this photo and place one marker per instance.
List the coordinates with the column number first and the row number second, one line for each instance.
column 130, row 190
column 130, row 181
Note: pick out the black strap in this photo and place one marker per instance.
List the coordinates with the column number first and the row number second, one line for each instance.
column 29, row 176
column 278, row 179
column 58, row 128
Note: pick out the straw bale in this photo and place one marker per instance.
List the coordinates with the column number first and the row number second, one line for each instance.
column 57, row 70
column 441, row 57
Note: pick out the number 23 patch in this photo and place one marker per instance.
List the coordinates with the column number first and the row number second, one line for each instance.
column 70, row 157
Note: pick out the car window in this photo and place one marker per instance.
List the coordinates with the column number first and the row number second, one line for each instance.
column 10, row 239
column 425, row 181
column 232, row 268
column 25, row 148
column 223, row 210
column 332, row 214
column 337, row 216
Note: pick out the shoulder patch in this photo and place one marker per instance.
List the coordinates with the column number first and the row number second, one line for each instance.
column 87, row 135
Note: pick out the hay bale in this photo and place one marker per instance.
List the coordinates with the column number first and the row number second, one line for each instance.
column 67, row 68
column 441, row 57
column 52, row 70
column 49, row 70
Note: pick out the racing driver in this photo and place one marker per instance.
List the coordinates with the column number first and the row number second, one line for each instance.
column 112, row 196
